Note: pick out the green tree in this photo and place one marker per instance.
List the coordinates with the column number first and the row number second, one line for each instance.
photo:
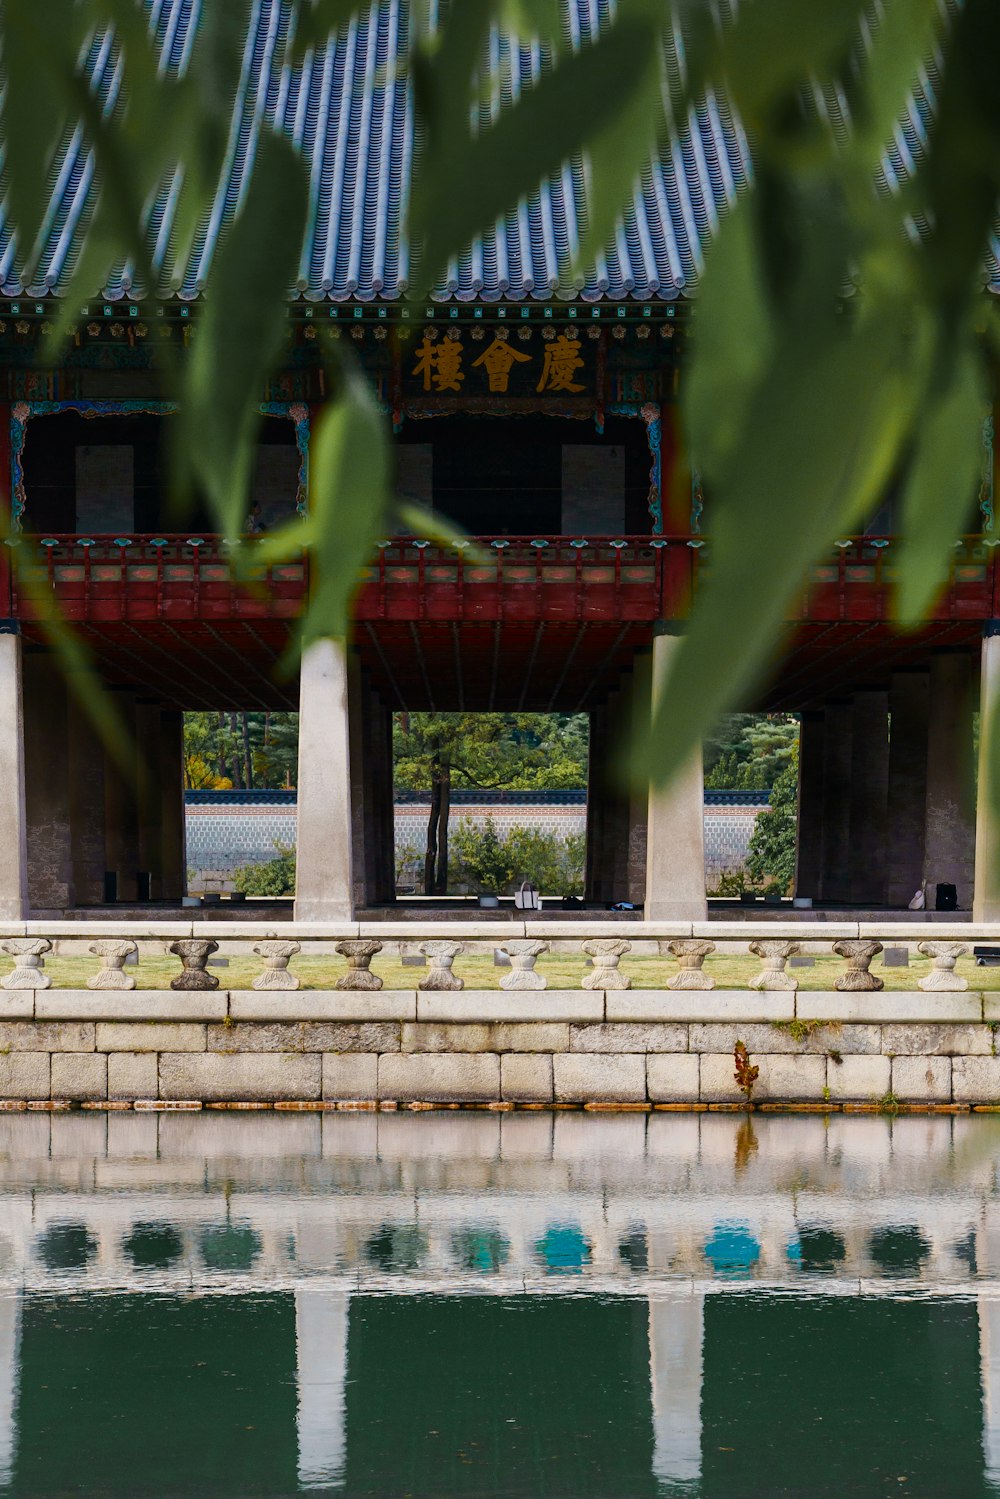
column 517, row 751
column 771, row 855
column 242, row 750
column 748, row 751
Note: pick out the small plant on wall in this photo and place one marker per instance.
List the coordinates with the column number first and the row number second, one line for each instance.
column 746, row 1074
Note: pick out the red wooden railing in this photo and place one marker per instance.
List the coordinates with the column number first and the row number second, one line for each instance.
column 103, row 579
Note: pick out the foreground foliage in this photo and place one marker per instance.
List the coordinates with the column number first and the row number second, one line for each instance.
column 801, row 403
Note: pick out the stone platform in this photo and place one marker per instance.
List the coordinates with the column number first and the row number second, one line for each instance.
column 852, row 1045
column 556, row 1048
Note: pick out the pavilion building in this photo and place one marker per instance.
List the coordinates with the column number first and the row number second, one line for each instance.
column 543, row 419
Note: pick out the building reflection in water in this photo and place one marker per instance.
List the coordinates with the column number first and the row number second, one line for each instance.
column 671, row 1218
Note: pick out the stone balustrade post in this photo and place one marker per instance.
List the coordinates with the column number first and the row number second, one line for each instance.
column 859, row 955
column 442, row 955
column 945, row 956
column 606, row 953
column 522, row 973
column 276, row 954
column 690, row 955
column 111, row 974
column 359, row 953
column 29, row 959
column 774, row 955
column 194, row 953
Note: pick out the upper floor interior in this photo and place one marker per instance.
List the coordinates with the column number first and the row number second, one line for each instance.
column 514, row 476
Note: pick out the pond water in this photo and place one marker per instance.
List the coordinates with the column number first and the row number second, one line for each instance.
column 522, row 1304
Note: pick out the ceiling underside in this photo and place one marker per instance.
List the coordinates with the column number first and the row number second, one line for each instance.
column 482, row 667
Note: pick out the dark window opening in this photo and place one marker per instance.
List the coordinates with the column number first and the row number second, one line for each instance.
column 109, row 475
column 525, row 476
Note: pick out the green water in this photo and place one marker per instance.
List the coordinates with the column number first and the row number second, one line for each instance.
column 462, row 1305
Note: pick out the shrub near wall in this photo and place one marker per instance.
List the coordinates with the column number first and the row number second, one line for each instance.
column 273, row 877
column 485, row 861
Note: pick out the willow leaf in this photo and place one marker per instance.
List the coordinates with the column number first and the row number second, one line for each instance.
column 939, row 496
column 735, row 336
column 570, row 107
column 819, row 442
column 906, row 33
column 241, row 334
column 40, row 45
column 349, row 497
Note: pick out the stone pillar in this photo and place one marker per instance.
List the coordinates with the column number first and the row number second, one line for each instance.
column 86, row 795
column 675, row 829
column 173, row 833
column 13, row 812
column 809, row 811
column 324, row 885
column 949, row 848
column 386, row 821
column 321, row 1332
column 149, row 799
column 359, row 735
column 46, row 783
column 836, row 880
column 869, row 797
column 638, row 797
column 10, row 1368
column 382, row 876
column 616, row 831
column 986, row 899
column 121, row 813
column 676, row 1335
column 909, row 697
column 593, row 882
column 989, row 1364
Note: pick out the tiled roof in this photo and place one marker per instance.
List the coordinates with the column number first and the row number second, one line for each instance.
column 354, row 125
column 353, row 121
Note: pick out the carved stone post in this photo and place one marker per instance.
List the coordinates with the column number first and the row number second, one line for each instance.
column 943, row 975
column 111, row 974
column 774, row 955
column 359, row 953
column 442, row 955
column 276, row 954
column 29, row 955
column 522, row 965
column 690, row 955
column 859, row 955
column 194, row 953
column 606, row 953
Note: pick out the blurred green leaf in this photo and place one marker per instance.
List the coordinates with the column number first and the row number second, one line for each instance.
column 101, row 250
column 40, row 45
column 620, row 146
column 212, row 83
column 826, row 421
column 957, row 185
column 905, row 34
column 316, row 21
column 939, row 496
column 733, row 343
column 549, row 124
column 241, row 334
column 431, row 525
column 774, row 46
column 349, row 497
column 533, row 20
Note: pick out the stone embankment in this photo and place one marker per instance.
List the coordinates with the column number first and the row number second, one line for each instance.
column 605, row 1044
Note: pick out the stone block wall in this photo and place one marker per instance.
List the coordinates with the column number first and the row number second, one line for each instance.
column 236, row 828
column 619, row 1049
